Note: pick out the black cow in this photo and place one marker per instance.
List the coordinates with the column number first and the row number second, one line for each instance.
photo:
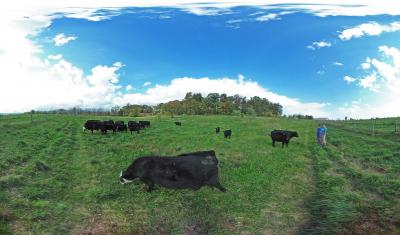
column 227, row 133
column 282, row 136
column 185, row 171
column 178, row 123
column 92, row 125
column 133, row 126
column 144, row 123
column 217, row 130
column 120, row 126
column 108, row 126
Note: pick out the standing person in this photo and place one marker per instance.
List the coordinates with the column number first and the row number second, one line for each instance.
column 321, row 134
column 324, row 130
column 319, row 139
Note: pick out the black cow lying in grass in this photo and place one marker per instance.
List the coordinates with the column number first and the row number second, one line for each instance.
column 185, row 171
column 282, row 136
column 134, row 126
column 178, row 123
column 227, row 133
column 217, row 130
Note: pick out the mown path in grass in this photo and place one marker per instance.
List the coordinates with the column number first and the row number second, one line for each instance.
column 358, row 185
column 37, row 174
column 56, row 179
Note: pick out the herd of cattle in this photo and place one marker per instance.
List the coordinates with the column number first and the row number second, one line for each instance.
column 185, row 171
column 133, row 126
column 118, row 126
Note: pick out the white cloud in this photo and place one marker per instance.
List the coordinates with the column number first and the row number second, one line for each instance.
column 178, row 88
column 370, row 82
column 383, row 79
column 317, row 45
column 39, row 84
column 382, row 73
column 165, row 17
column 146, row 83
column 55, row 57
column 367, row 64
column 61, row 39
column 349, row 79
column 338, row 63
column 270, row 16
column 129, row 87
column 368, row 29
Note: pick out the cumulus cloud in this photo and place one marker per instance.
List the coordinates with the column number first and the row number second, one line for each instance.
column 317, row 45
column 383, row 79
column 178, row 88
column 55, row 57
column 129, row 87
column 383, row 73
column 349, row 79
column 368, row 29
column 370, row 82
column 270, row 16
column 61, row 39
column 40, row 84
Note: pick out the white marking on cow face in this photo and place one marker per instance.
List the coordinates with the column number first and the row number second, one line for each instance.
column 125, row 181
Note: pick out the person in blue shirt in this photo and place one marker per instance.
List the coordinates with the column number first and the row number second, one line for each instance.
column 321, row 134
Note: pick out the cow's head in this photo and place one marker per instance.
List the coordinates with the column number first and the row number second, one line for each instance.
column 294, row 134
column 137, row 169
column 126, row 176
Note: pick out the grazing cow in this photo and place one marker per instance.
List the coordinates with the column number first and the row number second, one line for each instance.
column 185, row 171
column 120, row 126
column 178, row 123
column 217, row 130
column 144, row 123
column 92, row 125
column 108, row 126
column 282, row 136
column 227, row 133
column 133, row 126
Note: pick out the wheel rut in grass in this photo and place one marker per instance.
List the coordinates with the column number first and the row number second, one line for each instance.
column 349, row 199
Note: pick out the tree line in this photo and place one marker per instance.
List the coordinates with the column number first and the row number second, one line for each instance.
column 191, row 104
column 214, row 103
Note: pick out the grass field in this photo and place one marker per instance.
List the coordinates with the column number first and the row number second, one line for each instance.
column 57, row 179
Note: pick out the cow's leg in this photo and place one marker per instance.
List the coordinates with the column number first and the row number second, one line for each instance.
column 283, row 144
column 149, row 183
column 220, row 187
column 273, row 143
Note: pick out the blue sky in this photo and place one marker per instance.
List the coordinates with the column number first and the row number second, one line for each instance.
column 331, row 65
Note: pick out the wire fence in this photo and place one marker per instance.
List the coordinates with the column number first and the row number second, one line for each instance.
column 374, row 126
